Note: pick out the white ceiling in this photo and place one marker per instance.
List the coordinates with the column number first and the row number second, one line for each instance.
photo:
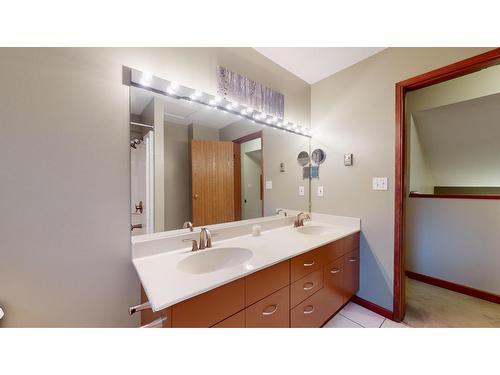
column 461, row 142
column 312, row 64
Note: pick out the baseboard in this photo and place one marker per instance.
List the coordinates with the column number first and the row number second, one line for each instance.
column 487, row 296
column 373, row 307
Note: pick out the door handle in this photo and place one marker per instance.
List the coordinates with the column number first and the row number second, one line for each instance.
column 335, row 270
column 310, row 264
column 310, row 309
column 308, row 287
column 275, row 308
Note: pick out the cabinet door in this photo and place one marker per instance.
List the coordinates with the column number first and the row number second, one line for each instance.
column 263, row 283
column 351, row 274
column 333, row 285
column 311, row 313
column 209, row 308
column 305, row 287
column 272, row 311
column 235, row 321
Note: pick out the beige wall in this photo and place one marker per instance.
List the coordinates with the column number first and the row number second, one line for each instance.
column 354, row 111
column 65, row 190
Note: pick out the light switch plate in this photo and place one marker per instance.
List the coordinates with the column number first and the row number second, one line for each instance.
column 269, row 185
column 302, row 191
column 380, row 183
column 320, row 191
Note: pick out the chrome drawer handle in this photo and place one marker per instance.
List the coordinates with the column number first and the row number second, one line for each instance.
column 308, row 287
column 270, row 312
column 335, row 270
column 309, row 264
column 156, row 323
column 310, row 311
column 143, row 306
column 353, row 260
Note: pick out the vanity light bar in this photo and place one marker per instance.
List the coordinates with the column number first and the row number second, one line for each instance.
column 161, row 86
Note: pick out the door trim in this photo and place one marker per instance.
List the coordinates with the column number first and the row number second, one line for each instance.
column 246, row 138
column 455, row 70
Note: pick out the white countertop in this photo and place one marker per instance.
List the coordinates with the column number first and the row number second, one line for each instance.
column 166, row 285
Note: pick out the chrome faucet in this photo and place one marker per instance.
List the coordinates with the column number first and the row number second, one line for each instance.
column 280, row 210
column 205, row 239
column 189, row 225
column 299, row 220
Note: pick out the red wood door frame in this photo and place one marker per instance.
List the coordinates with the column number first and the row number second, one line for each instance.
column 445, row 73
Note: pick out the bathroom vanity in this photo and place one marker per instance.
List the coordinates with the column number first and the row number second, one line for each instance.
column 293, row 277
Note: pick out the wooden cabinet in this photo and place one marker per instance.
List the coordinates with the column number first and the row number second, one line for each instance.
column 351, row 273
column 306, row 263
column 262, row 283
column 304, row 291
column 273, row 311
column 305, row 287
column 235, row 321
column 211, row 307
column 147, row 316
column 333, row 285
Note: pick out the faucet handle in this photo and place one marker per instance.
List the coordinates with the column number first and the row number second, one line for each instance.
column 194, row 243
column 189, row 225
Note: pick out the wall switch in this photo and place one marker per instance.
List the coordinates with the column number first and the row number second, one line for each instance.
column 302, row 191
column 320, row 191
column 347, row 160
column 269, row 185
column 380, row 183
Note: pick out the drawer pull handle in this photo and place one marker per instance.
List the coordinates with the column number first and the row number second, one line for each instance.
column 155, row 323
column 310, row 309
column 309, row 264
column 335, row 270
column 275, row 308
column 309, row 287
column 353, row 260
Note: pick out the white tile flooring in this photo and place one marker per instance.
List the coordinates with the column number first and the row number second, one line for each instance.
column 355, row 316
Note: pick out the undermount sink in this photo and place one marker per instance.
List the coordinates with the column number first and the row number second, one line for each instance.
column 315, row 230
column 210, row 260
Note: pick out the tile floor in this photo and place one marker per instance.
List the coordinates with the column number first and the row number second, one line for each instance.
column 355, row 316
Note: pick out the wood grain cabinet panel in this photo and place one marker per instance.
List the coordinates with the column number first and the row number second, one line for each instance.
column 351, row 273
column 305, row 287
column 333, row 285
column 265, row 282
column 271, row 312
column 211, row 307
column 311, row 313
column 352, row 242
column 334, row 250
column 235, row 321
column 306, row 263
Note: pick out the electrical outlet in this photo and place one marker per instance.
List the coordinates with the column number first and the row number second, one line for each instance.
column 302, row 191
column 320, row 191
column 269, row 185
column 380, row 183
column 347, row 160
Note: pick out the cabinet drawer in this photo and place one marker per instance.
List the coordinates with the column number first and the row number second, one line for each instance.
column 211, row 307
column 333, row 250
column 333, row 285
column 351, row 242
column 311, row 313
column 272, row 311
column 147, row 316
column 235, row 321
column 305, row 287
column 263, row 283
column 304, row 264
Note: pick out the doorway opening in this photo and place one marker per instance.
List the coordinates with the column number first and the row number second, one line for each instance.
column 447, row 192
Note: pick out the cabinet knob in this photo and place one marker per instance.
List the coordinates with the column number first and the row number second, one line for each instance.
column 309, row 309
column 196, row 196
column 308, row 286
column 275, row 308
column 310, row 264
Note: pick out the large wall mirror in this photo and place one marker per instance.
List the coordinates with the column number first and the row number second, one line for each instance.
column 207, row 164
column 454, row 137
